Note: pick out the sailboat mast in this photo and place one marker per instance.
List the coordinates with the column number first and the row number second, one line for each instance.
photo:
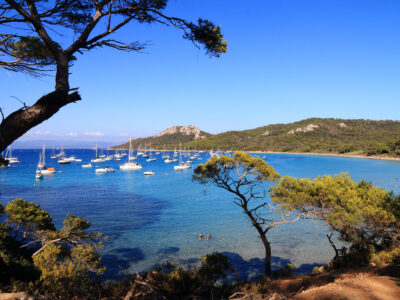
column 130, row 150
column 43, row 154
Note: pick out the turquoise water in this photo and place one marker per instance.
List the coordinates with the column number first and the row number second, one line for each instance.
column 154, row 219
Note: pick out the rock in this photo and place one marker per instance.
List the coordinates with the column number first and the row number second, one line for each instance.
column 185, row 130
column 308, row 128
column 342, row 125
column 276, row 296
column 266, row 133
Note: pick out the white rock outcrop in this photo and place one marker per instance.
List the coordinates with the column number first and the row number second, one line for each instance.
column 185, row 130
column 267, row 133
column 342, row 125
column 308, row 128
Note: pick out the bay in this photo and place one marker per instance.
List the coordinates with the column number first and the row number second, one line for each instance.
column 154, row 219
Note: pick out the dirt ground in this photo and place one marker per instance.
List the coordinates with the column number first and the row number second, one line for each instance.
column 366, row 284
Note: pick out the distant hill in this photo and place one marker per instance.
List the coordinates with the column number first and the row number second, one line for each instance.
column 314, row 135
column 169, row 137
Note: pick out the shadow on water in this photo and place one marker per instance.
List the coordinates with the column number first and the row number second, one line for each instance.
column 168, row 250
column 119, row 260
column 251, row 269
column 245, row 270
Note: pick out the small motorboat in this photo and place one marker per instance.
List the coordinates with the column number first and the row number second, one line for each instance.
column 149, row 172
column 89, row 165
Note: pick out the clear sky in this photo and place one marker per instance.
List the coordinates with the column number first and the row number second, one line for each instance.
column 287, row 60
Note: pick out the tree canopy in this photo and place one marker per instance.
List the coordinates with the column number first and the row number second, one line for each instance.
column 244, row 176
column 64, row 259
column 363, row 215
column 31, row 43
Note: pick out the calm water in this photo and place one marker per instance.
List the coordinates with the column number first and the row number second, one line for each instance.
column 154, row 219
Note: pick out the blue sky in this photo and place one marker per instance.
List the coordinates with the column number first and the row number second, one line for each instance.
column 286, row 61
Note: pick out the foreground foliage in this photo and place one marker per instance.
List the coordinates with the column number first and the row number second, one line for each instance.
column 65, row 263
column 32, row 250
column 244, row 176
column 366, row 217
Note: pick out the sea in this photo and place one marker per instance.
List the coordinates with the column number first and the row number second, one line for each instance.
column 151, row 220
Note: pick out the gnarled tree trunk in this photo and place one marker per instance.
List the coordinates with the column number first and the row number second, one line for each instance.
column 22, row 120
column 263, row 236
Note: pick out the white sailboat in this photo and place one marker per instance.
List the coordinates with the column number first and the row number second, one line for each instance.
column 41, row 167
column 130, row 165
column 145, row 155
column 102, row 155
column 41, row 170
column 182, row 166
column 117, row 155
column 60, row 154
column 11, row 159
column 42, row 161
column 53, row 153
column 151, row 158
column 97, row 159
column 168, row 160
column 64, row 161
column 139, row 152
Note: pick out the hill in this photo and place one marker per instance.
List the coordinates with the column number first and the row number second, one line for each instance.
column 314, row 135
column 169, row 137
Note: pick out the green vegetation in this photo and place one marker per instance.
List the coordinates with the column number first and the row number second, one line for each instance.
column 33, row 251
column 51, row 33
column 243, row 176
column 336, row 136
column 364, row 216
column 170, row 141
column 65, row 263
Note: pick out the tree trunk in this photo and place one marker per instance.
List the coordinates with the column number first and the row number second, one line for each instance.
column 263, row 237
column 22, row 120
column 19, row 122
column 267, row 266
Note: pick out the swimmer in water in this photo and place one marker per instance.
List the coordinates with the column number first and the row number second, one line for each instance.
column 200, row 236
column 208, row 236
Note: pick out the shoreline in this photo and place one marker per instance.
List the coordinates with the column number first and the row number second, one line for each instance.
column 331, row 154
column 299, row 153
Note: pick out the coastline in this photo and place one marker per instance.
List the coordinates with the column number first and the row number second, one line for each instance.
column 332, row 154
column 297, row 153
